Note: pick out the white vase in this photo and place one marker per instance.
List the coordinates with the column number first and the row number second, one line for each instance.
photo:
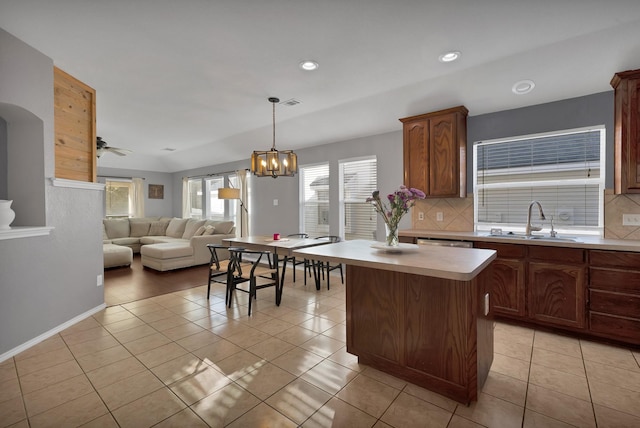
column 6, row 214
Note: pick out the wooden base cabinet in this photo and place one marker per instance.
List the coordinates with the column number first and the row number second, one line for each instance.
column 614, row 295
column 429, row 331
column 538, row 284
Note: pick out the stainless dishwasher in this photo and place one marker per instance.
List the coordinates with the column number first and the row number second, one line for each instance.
column 445, row 243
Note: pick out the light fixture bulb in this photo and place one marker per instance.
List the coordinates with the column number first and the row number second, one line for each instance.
column 309, row 65
column 449, row 56
column 523, row 87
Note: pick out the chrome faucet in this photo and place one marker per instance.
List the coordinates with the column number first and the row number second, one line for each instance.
column 529, row 228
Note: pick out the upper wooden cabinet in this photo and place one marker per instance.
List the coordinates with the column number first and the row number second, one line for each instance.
column 75, row 128
column 627, row 131
column 435, row 152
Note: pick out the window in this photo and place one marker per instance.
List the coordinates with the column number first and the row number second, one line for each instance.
column 210, row 207
column 314, row 195
column 124, row 198
column 117, row 198
column 564, row 171
column 194, row 200
column 358, row 180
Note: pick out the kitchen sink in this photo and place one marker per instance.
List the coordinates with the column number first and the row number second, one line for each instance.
column 522, row 236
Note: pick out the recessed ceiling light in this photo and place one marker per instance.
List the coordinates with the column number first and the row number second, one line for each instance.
column 449, row 56
column 309, row 65
column 523, row 87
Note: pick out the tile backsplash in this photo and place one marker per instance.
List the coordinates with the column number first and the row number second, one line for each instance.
column 457, row 215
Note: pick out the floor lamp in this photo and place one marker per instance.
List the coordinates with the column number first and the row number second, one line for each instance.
column 233, row 193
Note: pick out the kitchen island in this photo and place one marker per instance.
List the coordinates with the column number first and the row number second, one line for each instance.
column 419, row 314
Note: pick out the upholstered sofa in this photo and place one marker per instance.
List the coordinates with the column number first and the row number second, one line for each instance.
column 164, row 243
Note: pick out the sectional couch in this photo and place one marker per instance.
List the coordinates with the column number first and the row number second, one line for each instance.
column 164, row 243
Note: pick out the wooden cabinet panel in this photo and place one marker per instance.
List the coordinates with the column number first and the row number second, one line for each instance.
column 416, row 154
column 556, row 293
column 444, row 168
column 627, row 131
column 615, row 280
column 614, row 259
column 614, row 327
column 376, row 329
column 434, row 147
column 622, row 304
column 557, row 254
column 507, row 283
column 436, row 321
column 508, row 288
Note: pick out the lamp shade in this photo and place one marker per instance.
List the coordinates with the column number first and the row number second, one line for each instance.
column 228, row 193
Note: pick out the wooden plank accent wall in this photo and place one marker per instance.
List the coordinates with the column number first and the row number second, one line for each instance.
column 75, row 128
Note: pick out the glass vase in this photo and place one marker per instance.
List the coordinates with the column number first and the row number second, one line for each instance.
column 391, row 238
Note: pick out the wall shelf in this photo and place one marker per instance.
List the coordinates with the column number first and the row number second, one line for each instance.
column 24, row 232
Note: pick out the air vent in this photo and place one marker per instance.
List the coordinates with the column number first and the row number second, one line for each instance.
column 291, row 102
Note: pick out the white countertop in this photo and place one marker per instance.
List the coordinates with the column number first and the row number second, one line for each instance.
column 461, row 264
column 587, row 242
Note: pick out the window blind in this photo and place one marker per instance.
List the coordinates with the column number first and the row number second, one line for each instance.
column 358, row 180
column 563, row 171
column 314, row 195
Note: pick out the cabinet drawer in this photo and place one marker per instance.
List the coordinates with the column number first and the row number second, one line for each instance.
column 557, row 254
column 614, row 259
column 615, row 327
column 625, row 305
column 615, row 280
column 504, row 251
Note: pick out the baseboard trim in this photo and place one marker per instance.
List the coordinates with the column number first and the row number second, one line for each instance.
column 15, row 351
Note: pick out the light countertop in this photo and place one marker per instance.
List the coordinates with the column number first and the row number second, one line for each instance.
column 587, row 242
column 461, row 264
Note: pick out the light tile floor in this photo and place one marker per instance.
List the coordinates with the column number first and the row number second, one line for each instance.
column 178, row 360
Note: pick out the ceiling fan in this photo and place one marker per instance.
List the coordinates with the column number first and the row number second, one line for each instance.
column 103, row 147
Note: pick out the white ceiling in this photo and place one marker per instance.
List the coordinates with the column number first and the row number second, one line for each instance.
column 195, row 75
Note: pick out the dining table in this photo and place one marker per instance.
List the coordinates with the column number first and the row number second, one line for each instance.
column 282, row 248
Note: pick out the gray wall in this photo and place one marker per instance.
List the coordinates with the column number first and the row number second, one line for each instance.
column 152, row 207
column 45, row 281
column 590, row 110
column 3, row 159
column 266, row 218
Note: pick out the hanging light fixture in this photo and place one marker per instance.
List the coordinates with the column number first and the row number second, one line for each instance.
column 274, row 163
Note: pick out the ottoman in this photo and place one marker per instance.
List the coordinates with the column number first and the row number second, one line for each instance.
column 167, row 256
column 117, row 255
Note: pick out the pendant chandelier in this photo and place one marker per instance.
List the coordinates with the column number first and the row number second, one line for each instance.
column 274, row 163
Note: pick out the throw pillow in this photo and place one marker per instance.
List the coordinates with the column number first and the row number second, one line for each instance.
column 209, row 230
column 139, row 229
column 116, row 227
column 191, row 227
column 176, row 227
column 224, row 227
column 158, row 228
column 200, row 231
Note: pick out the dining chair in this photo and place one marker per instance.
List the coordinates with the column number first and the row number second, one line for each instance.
column 219, row 267
column 258, row 272
column 294, row 263
column 327, row 265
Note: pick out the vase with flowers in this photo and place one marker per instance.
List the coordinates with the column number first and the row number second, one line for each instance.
column 397, row 205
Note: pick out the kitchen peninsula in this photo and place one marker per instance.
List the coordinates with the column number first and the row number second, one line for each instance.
column 419, row 314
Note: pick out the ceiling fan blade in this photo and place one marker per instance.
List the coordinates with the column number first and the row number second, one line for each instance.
column 119, row 151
